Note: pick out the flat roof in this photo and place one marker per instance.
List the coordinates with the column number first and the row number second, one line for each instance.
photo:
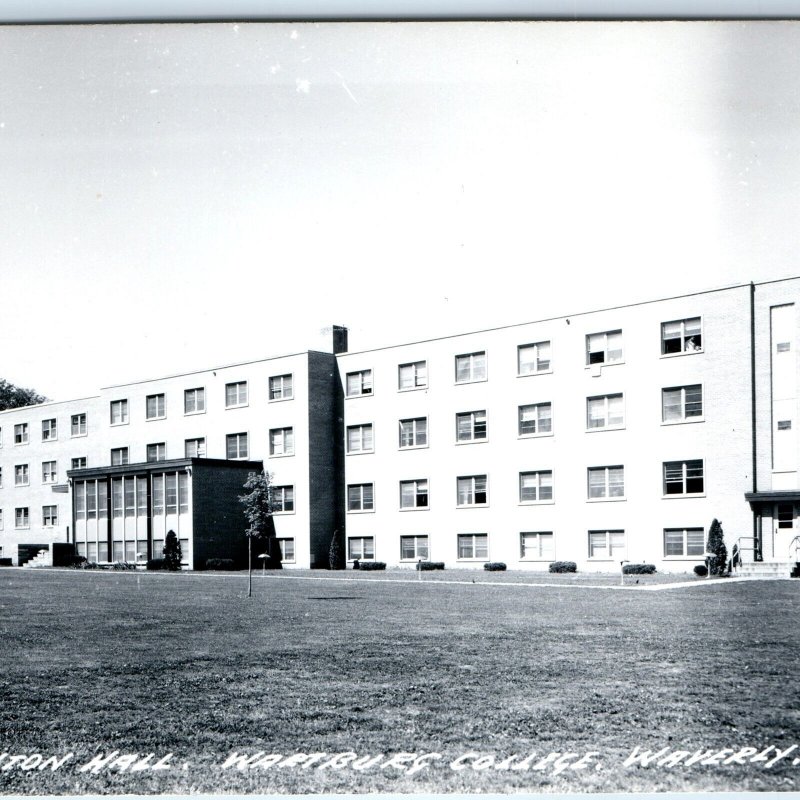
column 161, row 466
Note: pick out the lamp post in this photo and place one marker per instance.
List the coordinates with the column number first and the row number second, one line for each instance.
column 622, row 571
column 263, row 557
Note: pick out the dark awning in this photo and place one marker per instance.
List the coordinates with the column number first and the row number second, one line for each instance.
column 763, row 498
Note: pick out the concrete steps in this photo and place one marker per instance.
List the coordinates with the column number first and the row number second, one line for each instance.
column 44, row 558
column 766, row 569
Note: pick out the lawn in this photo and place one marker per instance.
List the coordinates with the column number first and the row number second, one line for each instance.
column 462, row 676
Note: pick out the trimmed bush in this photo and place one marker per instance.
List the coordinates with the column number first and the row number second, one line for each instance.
column 639, row 569
column 220, row 563
column 701, row 570
column 5, row 562
column 426, row 566
column 156, row 564
column 716, row 544
column 172, row 553
column 563, row 566
column 368, row 565
column 494, row 566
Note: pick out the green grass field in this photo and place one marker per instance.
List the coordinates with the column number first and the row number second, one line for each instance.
column 185, row 664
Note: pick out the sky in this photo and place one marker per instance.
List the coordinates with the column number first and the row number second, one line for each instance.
column 181, row 196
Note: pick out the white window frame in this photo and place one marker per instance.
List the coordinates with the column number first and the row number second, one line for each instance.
column 537, row 360
column 415, row 432
column 420, row 544
column 683, row 419
column 281, row 387
column 538, row 477
column 420, row 488
column 1, row 519
column 238, row 457
column 361, row 428
column 281, row 442
column 121, row 406
column 21, row 434
column 193, row 393
column 419, row 376
column 283, row 542
column 26, row 518
column 160, row 452
column 365, row 384
column 684, row 466
column 472, row 417
column 684, row 555
column 78, row 421
column 471, row 490
column 50, row 430
column 22, row 475
column 473, row 544
column 607, row 485
column 613, row 552
column 360, row 554
column 49, row 472
column 605, row 361
column 124, row 456
column 541, row 552
column 606, row 402
column 538, row 419
column 475, row 371
column 280, row 496
column 360, row 504
column 50, row 516
column 160, row 401
column 79, row 458
column 1, row 477
column 685, row 339
column 239, row 392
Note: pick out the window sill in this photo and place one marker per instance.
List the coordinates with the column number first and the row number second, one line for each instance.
column 360, row 558
column 476, row 559
column 467, row 383
column 537, row 560
column 682, row 421
column 283, row 513
column 535, row 435
column 472, row 441
column 534, row 374
column 237, row 405
column 473, row 505
column 21, row 485
column 605, row 428
column 414, row 447
column 536, row 503
column 281, row 455
column 604, row 364
column 280, row 399
column 360, row 510
column 685, row 496
column 155, row 419
column 78, row 435
column 360, row 452
column 612, row 560
column 193, row 413
column 683, row 353
column 356, row 397
column 52, row 439
column 415, row 508
column 685, row 558
column 413, row 389
column 118, row 424
column 606, row 499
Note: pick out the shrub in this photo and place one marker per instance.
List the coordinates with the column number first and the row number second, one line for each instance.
column 156, row 564
column 494, row 566
column 639, row 569
column 123, row 565
column 172, row 552
column 429, row 565
column 5, row 562
column 220, row 563
column 700, row 569
column 336, row 553
column 370, row 565
column 718, row 563
column 563, row 566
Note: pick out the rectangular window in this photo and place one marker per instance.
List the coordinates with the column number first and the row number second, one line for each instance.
column 102, row 500
column 535, row 487
column 49, row 472
column 116, row 497
column 784, row 424
column 172, row 493
column 535, row 419
column 158, row 497
column 606, row 482
column 22, row 517
column 282, row 499
column 471, row 367
column 412, row 376
column 183, row 492
column 194, row 448
column 359, row 383
column 472, row 490
column 473, row 545
column 681, row 336
column 21, row 433
column 79, row 463
column 1, row 437
column 360, row 497
column 129, row 492
column 361, row 547
column 194, row 401
column 783, row 347
column 606, row 544
column 682, row 403
column 604, row 348
column 471, row 426
column 533, row 358
column 287, row 549
column 537, row 545
column 141, row 496
column 785, row 515
column 1, row 519
column 1, row 477
column 684, row 542
column 157, row 451
column 281, row 442
column 156, row 406
column 21, row 475
column 414, row 548
column 78, row 425
column 280, row 387
column 236, row 394
column 119, row 412
column 359, row 439
column 683, row 477
column 605, row 411
column 49, row 430
column 91, row 500
column 119, row 456
column 236, row 445
column 414, row 432
column 414, row 494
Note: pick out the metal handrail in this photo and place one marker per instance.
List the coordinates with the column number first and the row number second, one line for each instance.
column 795, row 543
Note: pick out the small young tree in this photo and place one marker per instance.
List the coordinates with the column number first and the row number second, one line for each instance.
column 335, row 560
column 258, row 511
column 717, row 563
column 172, row 552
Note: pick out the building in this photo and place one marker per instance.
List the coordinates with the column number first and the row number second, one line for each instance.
column 607, row 436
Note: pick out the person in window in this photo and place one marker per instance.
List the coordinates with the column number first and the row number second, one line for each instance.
column 692, row 344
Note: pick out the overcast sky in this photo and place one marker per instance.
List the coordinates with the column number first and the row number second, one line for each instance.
column 177, row 197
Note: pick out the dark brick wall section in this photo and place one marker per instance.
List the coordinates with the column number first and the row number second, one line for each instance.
column 326, row 455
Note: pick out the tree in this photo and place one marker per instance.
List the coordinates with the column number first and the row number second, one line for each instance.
column 172, row 552
column 717, row 562
column 258, row 511
column 16, row 397
column 335, row 560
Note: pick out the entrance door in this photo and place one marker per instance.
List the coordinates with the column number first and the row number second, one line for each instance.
column 784, row 521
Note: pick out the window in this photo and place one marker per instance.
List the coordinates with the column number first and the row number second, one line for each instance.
column 471, row 426
column 360, row 497
column 49, row 472
column 21, row 517
column 194, row 401
column 536, row 545
column 78, row 426
column 683, row 477
column 472, row 490
column 1, row 477
column 79, row 463
column 282, row 499
column 119, row 412
column 785, row 515
column 533, row 358
column 412, row 376
column 281, row 442
column 21, row 433
column 604, row 412
column 682, row 403
column 172, row 493
column 21, row 475
column 606, row 482
column 535, row 419
column 287, row 549
column 414, row 548
column 119, row 456
column 681, row 336
column 361, row 547
column 684, row 542
column 49, row 430
column 1, row 437
column 156, row 406
column 604, row 348
column 414, row 432
column 471, row 367
column 236, row 445
column 606, row 544
column 49, row 516
column 784, row 424
column 473, row 545
column 280, row 387
column 235, row 394
column 359, row 439
column 359, row 383
column 535, row 487
column 1, row 519
column 157, row 451
column 194, row 448
column 158, row 497
column 783, row 347
column 414, row 494
column 183, row 492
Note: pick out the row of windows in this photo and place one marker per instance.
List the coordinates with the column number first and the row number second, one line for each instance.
column 534, row 545
column 49, row 430
column 677, row 336
column 22, row 517
column 602, row 483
